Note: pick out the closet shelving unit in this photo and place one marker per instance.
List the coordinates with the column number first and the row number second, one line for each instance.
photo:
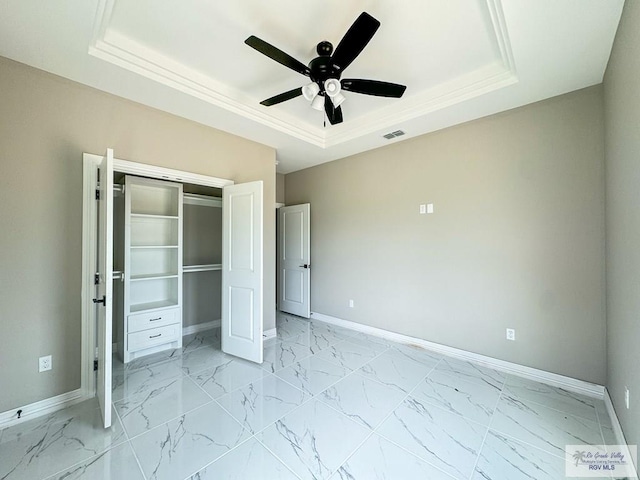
column 153, row 267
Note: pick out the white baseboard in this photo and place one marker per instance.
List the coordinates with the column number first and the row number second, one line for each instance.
column 268, row 334
column 617, row 428
column 43, row 407
column 200, row 327
column 568, row 383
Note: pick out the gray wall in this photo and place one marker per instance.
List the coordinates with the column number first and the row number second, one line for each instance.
column 516, row 240
column 46, row 123
column 280, row 188
column 202, row 240
column 622, row 142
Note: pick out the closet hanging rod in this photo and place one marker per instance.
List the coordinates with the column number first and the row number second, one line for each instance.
column 202, row 200
column 201, row 268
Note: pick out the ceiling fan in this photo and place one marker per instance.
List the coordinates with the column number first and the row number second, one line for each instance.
column 324, row 91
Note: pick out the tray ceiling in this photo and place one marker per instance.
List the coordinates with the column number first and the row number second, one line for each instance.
column 460, row 60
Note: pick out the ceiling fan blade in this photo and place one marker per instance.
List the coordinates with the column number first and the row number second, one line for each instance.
column 283, row 97
column 333, row 114
column 354, row 41
column 277, row 55
column 373, row 87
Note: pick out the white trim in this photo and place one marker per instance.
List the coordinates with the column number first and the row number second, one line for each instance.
column 568, row 383
column 279, row 205
column 201, row 200
column 617, row 428
column 200, row 327
column 269, row 334
column 42, row 407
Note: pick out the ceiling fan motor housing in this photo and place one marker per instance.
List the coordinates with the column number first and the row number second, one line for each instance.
column 321, row 67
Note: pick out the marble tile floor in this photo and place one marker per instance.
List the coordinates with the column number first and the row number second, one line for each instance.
column 327, row 403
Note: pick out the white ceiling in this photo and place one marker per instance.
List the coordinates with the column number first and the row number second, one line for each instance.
column 460, row 60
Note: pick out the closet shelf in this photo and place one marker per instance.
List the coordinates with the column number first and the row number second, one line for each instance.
column 201, row 268
column 149, row 215
column 140, row 307
column 137, row 278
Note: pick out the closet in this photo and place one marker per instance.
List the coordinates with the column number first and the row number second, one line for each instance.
column 167, row 257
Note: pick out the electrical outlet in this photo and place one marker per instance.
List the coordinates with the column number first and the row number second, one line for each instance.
column 626, row 397
column 44, row 363
column 511, row 334
column 350, row 303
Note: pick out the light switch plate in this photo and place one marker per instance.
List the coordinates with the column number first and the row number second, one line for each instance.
column 423, row 209
column 430, row 208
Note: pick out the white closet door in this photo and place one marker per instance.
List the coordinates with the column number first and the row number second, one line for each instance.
column 242, row 282
column 295, row 260
column 104, row 289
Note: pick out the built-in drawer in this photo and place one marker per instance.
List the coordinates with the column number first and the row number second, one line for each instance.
column 159, row 318
column 152, row 337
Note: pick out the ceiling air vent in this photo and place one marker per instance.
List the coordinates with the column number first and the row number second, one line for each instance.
column 390, row 135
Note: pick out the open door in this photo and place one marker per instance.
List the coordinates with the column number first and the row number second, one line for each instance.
column 295, row 260
column 104, row 288
column 242, row 242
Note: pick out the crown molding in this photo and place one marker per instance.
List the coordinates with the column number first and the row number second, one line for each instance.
column 125, row 52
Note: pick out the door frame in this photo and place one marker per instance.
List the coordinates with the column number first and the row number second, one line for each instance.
column 90, row 163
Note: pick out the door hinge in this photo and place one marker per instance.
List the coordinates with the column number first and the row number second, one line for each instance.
column 97, row 194
column 95, row 365
column 96, row 279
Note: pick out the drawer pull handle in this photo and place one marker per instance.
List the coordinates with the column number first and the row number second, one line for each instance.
column 155, row 319
column 155, row 336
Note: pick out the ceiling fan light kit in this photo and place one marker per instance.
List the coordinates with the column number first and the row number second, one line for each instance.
column 310, row 91
column 325, row 90
column 318, row 103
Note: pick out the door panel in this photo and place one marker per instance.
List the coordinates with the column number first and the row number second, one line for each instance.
column 104, row 289
column 295, row 260
column 242, row 281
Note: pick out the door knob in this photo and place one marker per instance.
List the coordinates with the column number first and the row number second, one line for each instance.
column 102, row 300
column 305, row 266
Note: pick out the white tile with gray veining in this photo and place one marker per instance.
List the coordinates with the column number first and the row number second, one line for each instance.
column 127, row 383
column 312, row 406
column 397, row 371
column 472, row 372
column 376, row 344
column 281, row 354
column 316, row 340
column 470, row 400
column 543, row 427
column 207, row 338
column 228, row 376
column 288, row 326
column 249, row 461
column 379, row 459
column 146, row 361
column 262, row 402
column 312, row 375
column 552, row 397
column 448, row 441
column 505, row 458
column 362, row 400
column 165, row 401
column 313, row 440
column 119, row 462
column 44, row 448
column 185, row 445
column 200, row 359
column 349, row 355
